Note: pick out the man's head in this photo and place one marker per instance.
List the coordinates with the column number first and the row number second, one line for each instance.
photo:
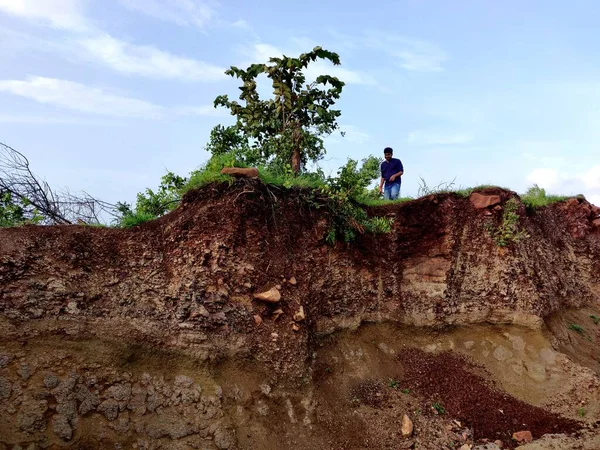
column 387, row 153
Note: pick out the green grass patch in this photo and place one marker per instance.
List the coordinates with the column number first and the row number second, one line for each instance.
column 134, row 219
column 595, row 319
column 577, row 328
column 536, row 197
column 369, row 201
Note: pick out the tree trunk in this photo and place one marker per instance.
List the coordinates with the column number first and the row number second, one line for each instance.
column 296, row 161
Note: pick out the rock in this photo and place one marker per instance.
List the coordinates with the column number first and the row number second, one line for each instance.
column 481, row 201
column 596, row 223
column 224, row 438
column 257, row 319
column 51, row 381
column 270, row 296
column 110, row 409
column 5, row 388
column 293, row 281
column 295, row 327
column 25, row 371
column 595, row 210
column 487, row 446
column 61, row 427
column 407, row 426
column 183, row 381
column 498, row 443
column 4, row 360
column 240, row 172
column 465, row 447
column 278, row 312
column 300, row 316
column 522, row 436
column 31, row 415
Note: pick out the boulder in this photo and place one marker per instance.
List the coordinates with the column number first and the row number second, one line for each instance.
column 522, row 436
column 271, row 296
column 407, row 426
column 481, row 201
column 240, row 172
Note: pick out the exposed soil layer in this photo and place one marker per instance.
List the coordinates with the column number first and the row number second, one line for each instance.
column 152, row 337
column 451, row 382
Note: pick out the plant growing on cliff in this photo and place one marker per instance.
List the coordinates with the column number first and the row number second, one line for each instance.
column 508, row 231
column 288, row 128
column 536, row 197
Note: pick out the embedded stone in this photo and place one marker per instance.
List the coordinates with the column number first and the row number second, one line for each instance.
column 481, row 201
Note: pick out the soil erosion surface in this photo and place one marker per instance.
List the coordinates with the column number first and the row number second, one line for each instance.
column 230, row 324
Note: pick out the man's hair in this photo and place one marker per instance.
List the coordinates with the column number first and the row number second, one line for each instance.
column 388, row 150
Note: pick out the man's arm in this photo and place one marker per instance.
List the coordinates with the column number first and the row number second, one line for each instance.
column 396, row 175
column 381, row 184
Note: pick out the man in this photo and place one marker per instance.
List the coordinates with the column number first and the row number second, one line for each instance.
column 391, row 171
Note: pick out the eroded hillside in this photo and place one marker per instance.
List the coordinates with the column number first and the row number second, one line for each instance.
column 152, row 338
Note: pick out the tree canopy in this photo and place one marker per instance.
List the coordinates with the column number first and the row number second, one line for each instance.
column 289, row 127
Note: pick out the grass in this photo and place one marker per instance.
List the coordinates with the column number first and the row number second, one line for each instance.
column 581, row 412
column 439, row 408
column 135, row 219
column 595, row 318
column 394, row 384
column 369, row 201
column 536, row 197
column 577, row 328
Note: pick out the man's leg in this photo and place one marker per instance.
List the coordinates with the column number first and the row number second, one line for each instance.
column 387, row 192
column 395, row 191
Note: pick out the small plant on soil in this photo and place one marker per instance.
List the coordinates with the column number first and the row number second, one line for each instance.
column 508, row 231
column 578, row 328
column 439, row 408
column 581, row 412
column 394, row 384
column 595, row 318
column 405, row 391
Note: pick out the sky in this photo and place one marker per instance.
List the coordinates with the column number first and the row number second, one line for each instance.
column 106, row 96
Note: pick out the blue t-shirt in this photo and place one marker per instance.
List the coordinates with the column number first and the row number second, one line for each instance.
column 390, row 168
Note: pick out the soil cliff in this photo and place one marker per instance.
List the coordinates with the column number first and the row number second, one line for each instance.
column 153, row 337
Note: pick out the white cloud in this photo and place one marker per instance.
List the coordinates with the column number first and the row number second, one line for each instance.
column 409, row 53
column 544, row 178
column 591, row 178
column 78, row 97
column 87, row 99
column 565, row 183
column 195, row 13
column 63, row 14
column 45, row 120
column 202, row 110
column 147, row 61
column 434, row 138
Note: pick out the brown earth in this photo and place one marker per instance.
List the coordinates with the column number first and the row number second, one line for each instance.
column 148, row 337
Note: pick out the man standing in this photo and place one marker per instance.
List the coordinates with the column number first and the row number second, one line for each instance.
column 391, row 171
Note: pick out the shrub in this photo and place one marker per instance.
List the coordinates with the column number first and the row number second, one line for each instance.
column 536, row 197
column 508, row 231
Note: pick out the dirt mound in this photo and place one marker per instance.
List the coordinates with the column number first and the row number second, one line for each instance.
column 451, row 382
column 152, row 337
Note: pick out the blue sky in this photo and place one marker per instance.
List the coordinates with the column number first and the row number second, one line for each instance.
column 105, row 96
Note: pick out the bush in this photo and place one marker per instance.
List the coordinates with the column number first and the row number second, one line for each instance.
column 134, row 219
column 508, row 231
column 536, row 197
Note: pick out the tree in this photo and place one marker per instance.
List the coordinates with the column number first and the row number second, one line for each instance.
column 11, row 213
column 38, row 201
column 290, row 126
